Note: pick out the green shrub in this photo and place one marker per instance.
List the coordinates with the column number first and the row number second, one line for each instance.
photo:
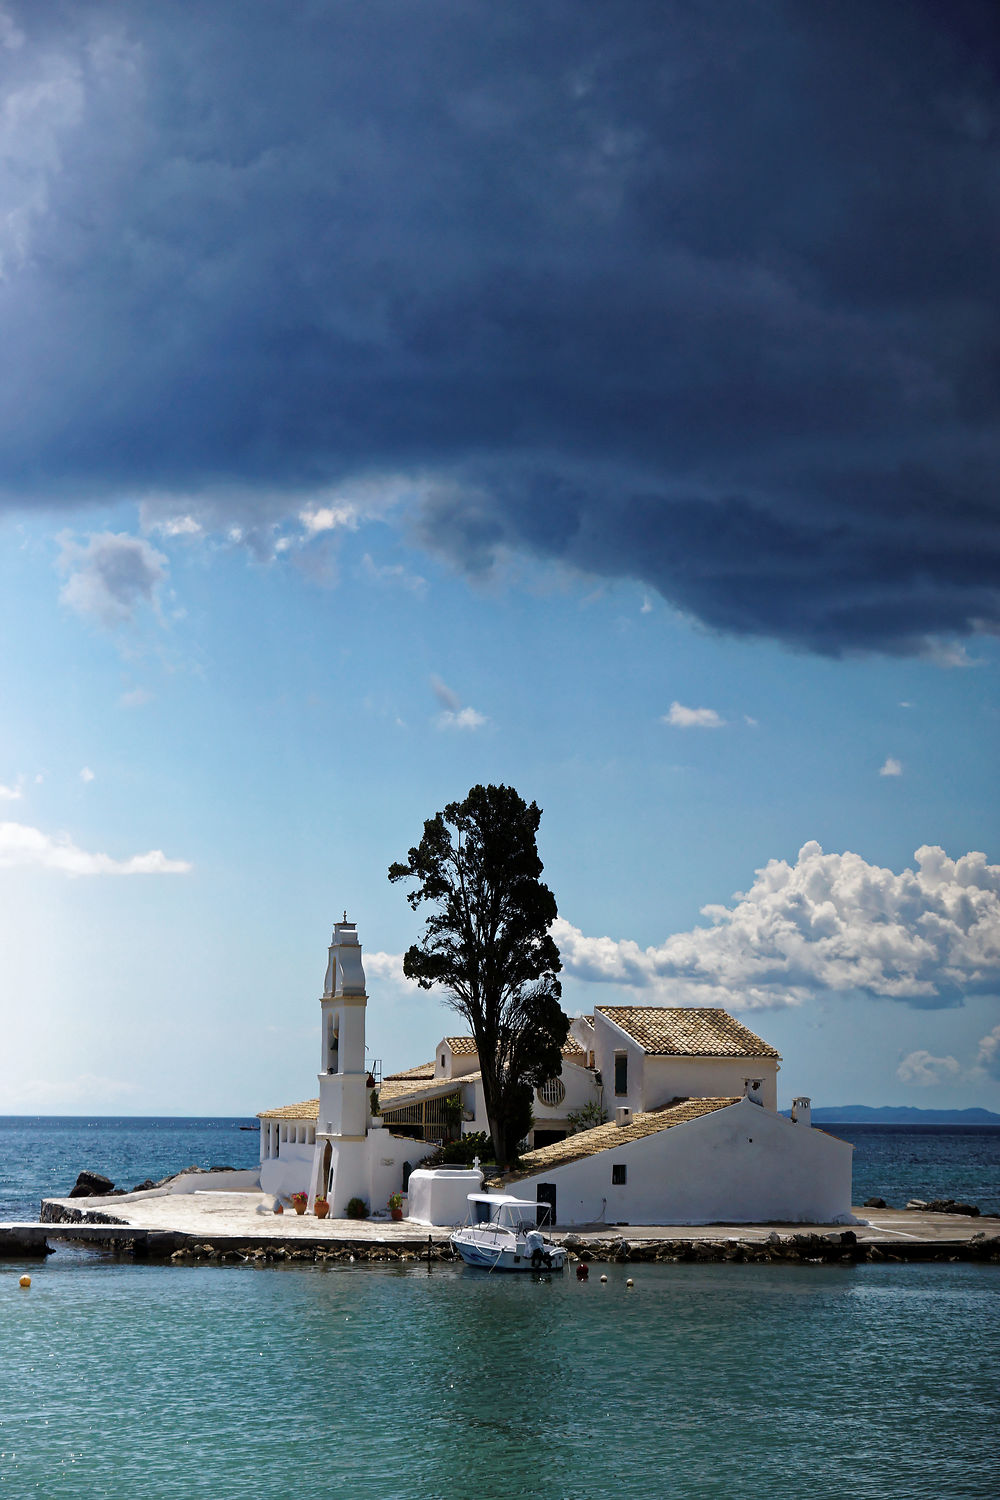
column 461, row 1153
column 357, row 1208
column 586, row 1117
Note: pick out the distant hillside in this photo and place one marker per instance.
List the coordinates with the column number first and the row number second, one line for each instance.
column 900, row 1114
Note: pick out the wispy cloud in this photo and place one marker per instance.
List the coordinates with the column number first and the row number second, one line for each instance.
column 453, row 714
column 680, row 717
column 86, row 774
column 110, row 576
column 23, row 847
column 891, row 767
column 10, row 793
column 135, row 698
column 37, row 1095
column 394, row 574
column 830, row 923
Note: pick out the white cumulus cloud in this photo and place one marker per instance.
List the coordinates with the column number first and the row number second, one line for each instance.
column 86, row 774
column 891, row 767
column 680, row 717
column 10, row 793
column 22, row 847
column 827, row 923
column 988, row 1057
column 926, row 1070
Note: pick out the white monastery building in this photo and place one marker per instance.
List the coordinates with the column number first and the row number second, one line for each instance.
column 686, row 1097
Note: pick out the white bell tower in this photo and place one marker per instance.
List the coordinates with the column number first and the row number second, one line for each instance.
column 343, row 1098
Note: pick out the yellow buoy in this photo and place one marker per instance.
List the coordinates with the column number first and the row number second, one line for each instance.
column 24, row 1281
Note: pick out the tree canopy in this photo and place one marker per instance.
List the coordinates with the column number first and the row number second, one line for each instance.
column 486, row 944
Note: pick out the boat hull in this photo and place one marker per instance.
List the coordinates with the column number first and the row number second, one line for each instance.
column 487, row 1257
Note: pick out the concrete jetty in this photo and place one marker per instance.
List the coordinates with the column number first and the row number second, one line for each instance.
column 232, row 1226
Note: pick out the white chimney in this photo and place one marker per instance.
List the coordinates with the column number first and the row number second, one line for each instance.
column 623, row 1115
column 752, row 1089
column 802, row 1110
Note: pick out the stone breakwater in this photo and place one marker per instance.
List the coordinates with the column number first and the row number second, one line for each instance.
column 811, row 1249
column 896, row 1236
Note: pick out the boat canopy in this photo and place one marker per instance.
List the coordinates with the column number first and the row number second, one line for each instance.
column 491, row 1208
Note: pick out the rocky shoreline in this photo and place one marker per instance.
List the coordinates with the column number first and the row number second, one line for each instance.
column 939, row 1238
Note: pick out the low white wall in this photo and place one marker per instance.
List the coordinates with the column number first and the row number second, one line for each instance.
column 739, row 1165
column 245, row 1180
column 440, row 1195
column 385, row 1169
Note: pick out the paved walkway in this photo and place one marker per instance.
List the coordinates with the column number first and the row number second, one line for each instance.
column 211, row 1215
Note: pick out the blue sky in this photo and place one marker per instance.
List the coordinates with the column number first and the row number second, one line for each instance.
column 568, row 410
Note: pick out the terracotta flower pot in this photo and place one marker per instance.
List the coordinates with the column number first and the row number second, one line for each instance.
column 395, row 1213
column 299, row 1208
column 321, row 1210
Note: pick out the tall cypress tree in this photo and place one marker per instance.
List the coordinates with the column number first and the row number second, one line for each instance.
column 486, row 943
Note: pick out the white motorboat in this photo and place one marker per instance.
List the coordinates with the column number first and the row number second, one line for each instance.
column 502, row 1234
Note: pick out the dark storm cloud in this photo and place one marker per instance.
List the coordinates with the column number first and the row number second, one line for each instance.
column 704, row 295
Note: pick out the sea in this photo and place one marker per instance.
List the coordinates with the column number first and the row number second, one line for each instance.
column 150, row 1382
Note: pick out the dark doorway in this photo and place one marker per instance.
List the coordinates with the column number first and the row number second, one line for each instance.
column 547, row 1138
column 546, row 1195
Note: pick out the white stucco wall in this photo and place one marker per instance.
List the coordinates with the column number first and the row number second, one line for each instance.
column 740, row 1165
column 387, row 1153
column 290, row 1172
column 666, row 1078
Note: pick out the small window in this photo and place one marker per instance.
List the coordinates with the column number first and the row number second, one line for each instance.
column 442, row 1059
column 552, row 1092
column 619, row 1174
column 621, row 1072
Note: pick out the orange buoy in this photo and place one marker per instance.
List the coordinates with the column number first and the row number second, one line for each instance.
column 24, row 1281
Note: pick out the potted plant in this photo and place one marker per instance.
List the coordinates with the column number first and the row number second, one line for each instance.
column 357, row 1208
column 396, row 1205
column 299, row 1201
column 321, row 1207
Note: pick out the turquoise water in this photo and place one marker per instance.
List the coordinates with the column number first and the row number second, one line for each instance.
column 134, row 1381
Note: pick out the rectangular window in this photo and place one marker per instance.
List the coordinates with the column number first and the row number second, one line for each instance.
column 621, row 1072
column 619, row 1174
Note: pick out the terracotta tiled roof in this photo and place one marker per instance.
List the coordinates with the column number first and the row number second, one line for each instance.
column 307, row 1110
column 422, row 1070
column 461, row 1046
column 572, row 1051
column 686, row 1031
column 609, row 1136
column 395, row 1092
